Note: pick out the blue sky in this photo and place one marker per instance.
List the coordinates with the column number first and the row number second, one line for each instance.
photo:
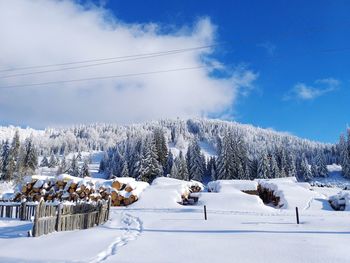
column 279, row 64
column 286, row 42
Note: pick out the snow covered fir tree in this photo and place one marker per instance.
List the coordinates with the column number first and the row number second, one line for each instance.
column 193, row 149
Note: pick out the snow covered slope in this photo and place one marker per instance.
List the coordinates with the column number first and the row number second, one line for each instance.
column 9, row 131
column 157, row 229
column 178, row 133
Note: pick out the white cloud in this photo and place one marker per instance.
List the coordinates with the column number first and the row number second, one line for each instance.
column 40, row 32
column 321, row 87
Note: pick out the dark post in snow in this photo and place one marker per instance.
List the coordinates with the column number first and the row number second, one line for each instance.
column 297, row 214
column 205, row 212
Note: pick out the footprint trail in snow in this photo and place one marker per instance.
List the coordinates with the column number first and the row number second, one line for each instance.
column 132, row 227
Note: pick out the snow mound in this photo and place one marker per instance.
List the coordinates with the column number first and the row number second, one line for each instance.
column 164, row 193
column 228, row 185
column 227, row 195
column 291, row 192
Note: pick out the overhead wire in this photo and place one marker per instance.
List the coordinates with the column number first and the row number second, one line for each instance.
column 103, row 77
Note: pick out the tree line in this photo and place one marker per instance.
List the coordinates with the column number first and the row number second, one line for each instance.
column 146, row 158
column 174, row 148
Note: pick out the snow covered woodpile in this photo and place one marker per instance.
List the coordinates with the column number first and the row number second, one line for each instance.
column 340, row 201
column 191, row 195
column 286, row 193
column 268, row 196
column 126, row 191
column 122, row 191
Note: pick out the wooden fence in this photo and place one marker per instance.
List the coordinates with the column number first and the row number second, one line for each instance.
column 22, row 211
column 65, row 217
column 49, row 217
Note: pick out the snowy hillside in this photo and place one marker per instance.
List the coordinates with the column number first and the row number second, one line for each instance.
column 102, row 136
column 199, row 149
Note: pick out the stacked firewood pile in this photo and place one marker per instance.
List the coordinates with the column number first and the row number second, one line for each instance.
column 122, row 192
column 191, row 195
column 268, row 196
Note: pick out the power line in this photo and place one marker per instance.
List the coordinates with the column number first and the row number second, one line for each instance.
column 112, row 58
column 93, row 65
column 103, row 77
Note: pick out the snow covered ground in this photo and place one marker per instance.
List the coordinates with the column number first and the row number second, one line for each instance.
column 240, row 228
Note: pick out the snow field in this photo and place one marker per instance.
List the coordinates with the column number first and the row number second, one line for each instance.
column 240, row 228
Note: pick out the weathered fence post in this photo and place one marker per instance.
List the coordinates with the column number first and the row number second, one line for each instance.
column 100, row 210
column 108, row 208
column 205, row 212
column 37, row 215
column 297, row 214
column 58, row 219
column 22, row 210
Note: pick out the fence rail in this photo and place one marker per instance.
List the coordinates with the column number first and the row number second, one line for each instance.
column 50, row 217
column 22, row 211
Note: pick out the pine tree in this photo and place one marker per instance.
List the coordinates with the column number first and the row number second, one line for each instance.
column 254, row 168
column 150, row 167
column 169, row 163
column 174, row 173
column 264, row 167
column 74, row 169
column 321, row 165
column 63, row 167
column 52, row 161
column 44, row 162
column 195, row 162
column 344, row 150
column 84, row 171
column 314, row 170
column 28, row 158
column 183, row 171
column 305, row 171
column 274, row 170
column 161, row 146
column 225, row 162
column 125, row 171
column 211, row 174
column 15, row 145
column 5, row 160
column 240, row 156
column 79, row 157
column 291, row 167
column 247, row 172
column 282, row 162
column 179, row 169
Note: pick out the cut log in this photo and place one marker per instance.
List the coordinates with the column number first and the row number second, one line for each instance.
column 128, row 189
column 24, row 189
column 116, row 185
